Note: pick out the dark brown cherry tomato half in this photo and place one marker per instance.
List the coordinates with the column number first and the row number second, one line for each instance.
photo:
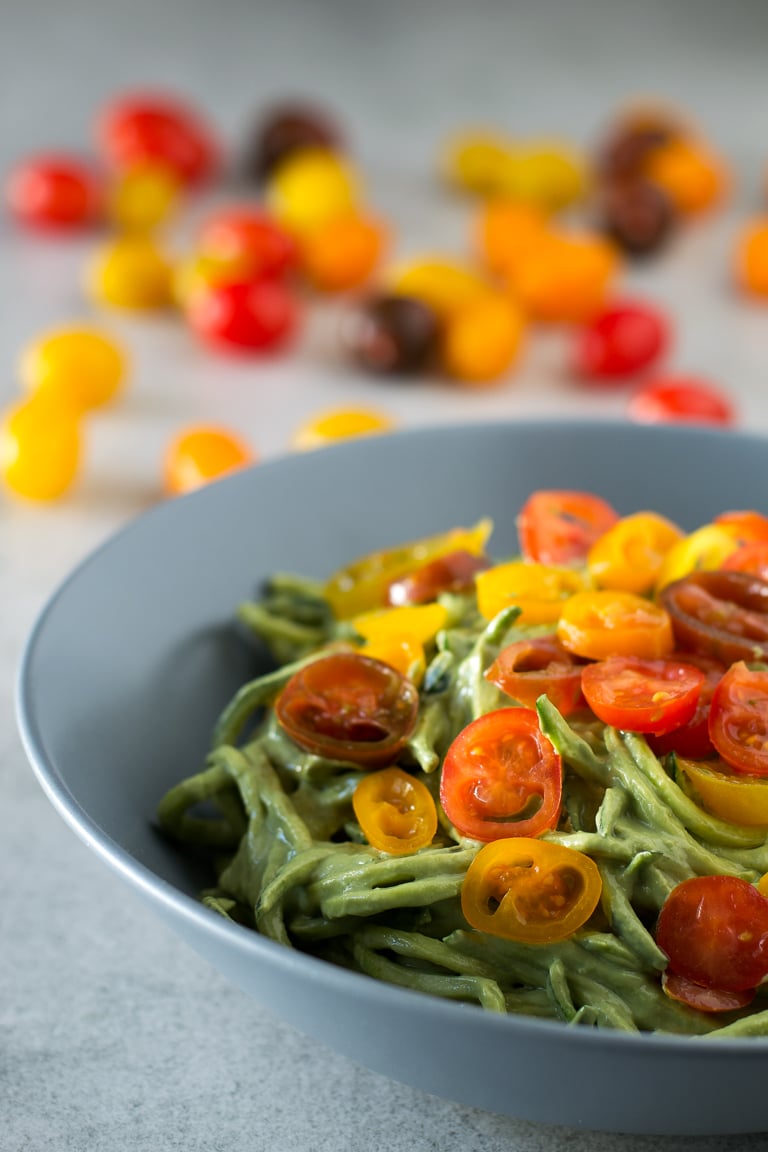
column 704, row 999
column 738, row 719
column 639, row 217
column 261, row 315
column 719, row 613
column 349, row 707
column 538, row 666
column 149, row 128
column 692, row 740
column 621, row 341
column 55, row 192
column 560, row 526
column 501, row 777
column 681, row 400
column 454, row 572
column 714, row 929
column 642, row 695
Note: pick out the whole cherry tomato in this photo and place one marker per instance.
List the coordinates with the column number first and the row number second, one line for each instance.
column 559, row 526
column 606, row 623
column 738, row 719
column 722, row 614
column 681, row 400
column 349, row 707
column 621, row 341
column 714, row 929
column 502, row 777
column 249, row 241
column 530, row 890
column 258, row 316
column 642, row 695
column 395, row 811
column 149, row 128
column 55, row 192
column 454, row 572
column 539, row 665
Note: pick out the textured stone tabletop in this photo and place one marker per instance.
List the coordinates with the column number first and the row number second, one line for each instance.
column 114, row 1036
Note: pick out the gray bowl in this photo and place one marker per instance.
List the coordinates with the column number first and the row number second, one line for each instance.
column 135, row 654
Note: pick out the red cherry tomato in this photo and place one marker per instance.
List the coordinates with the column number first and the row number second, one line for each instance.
column 642, row 695
column 454, row 572
column 257, row 316
column 722, row 614
column 751, row 558
column 714, row 929
column 681, row 400
column 704, row 999
column 622, row 340
column 747, row 527
column 692, row 740
column 540, row 665
column 249, row 240
column 738, row 719
column 501, row 777
column 146, row 128
column 55, row 192
column 349, row 707
column 560, row 527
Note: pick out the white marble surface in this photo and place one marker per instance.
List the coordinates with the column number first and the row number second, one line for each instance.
column 113, row 1035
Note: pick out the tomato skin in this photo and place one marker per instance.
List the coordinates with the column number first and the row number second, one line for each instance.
column 528, row 668
column 349, row 707
column 141, row 128
column 501, row 777
column 530, row 890
column 720, row 613
column 257, row 317
column 681, row 400
column 55, row 193
column 624, row 692
column 621, row 341
column 701, row 998
column 453, row 572
column 558, row 526
column 714, row 929
column 395, row 811
column 738, row 719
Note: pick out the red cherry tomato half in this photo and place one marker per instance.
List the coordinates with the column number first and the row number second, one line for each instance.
column 621, row 341
column 642, row 695
column 146, row 128
column 501, row 777
column 746, row 527
column 55, row 192
column 454, row 572
column 751, row 558
column 692, row 740
column 714, row 929
column 559, row 527
column 681, row 400
column 257, row 316
column 250, row 240
column 704, row 999
column 719, row 613
column 738, row 719
column 540, row 665
column 349, row 707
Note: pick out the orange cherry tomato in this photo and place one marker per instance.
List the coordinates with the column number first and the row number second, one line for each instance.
column 201, row 454
column 481, row 340
column 507, row 231
column 746, row 527
column 530, row 890
column 395, row 811
column 454, row 572
column 560, row 526
column 734, row 796
column 603, row 623
column 738, row 719
column 538, row 590
column 751, row 258
column 701, row 998
column 565, row 279
column 349, row 707
column 642, row 695
column 751, row 558
column 722, row 614
column 539, row 665
column 630, row 554
column 502, row 777
column 343, row 252
column 693, row 178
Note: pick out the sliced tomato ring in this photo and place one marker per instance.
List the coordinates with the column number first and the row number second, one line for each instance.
column 723, row 614
column 642, row 695
column 738, row 719
column 539, row 665
column 558, row 526
column 704, row 999
column 454, row 572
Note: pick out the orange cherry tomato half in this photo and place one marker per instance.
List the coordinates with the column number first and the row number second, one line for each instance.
column 642, row 695
column 746, row 526
column 738, row 719
column 714, row 929
column 751, row 557
column 501, row 777
column 560, row 527
column 606, row 623
column 454, row 572
column 630, row 554
column 720, row 613
column 539, row 665
column 530, row 890
column 395, row 811
column 349, row 707
column 701, row 998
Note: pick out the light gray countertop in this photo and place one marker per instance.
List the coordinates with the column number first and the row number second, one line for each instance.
column 114, row 1036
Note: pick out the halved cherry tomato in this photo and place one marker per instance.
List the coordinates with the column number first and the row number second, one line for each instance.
column 630, row 554
column 701, row 998
column 539, row 665
column 714, row 929
column 681, row 400
column 401, row 651
column 538, row 590
column 692, row 739
column 746, row 526
column 706, row 548
column 751, row 557
column 733, row 796
column 349, row 707
column 607, row 623
column 530, row 890
column 454, row 572
column 422, row 621
column 642, row 695
column 502, row 777
column 738, row 719
column 395, row 811
column 723, row 614
column 559, row 527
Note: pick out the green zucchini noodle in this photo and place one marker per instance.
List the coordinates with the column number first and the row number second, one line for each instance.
column 289, row 860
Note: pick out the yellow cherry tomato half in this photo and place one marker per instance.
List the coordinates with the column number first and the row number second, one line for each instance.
column 200, row 454
column 395, row 811
column 40, row 449
column 422, row 621
column 704, row 549
column 608, row 623
column 133, row 273
column 340, row 424
column 530, row 890
column 403, row 652
column 733, row 796
column 539, row 590
column 629, row 555
column 77, row 366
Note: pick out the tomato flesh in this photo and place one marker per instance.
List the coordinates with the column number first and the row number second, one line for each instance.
column 738, row 719
column 540, row 665
column 560, row 526
column 642, row 695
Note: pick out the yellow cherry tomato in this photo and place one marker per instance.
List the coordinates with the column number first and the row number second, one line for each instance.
column 143, row 198
column 402, row 652
column 40, row 449
column 481, row 340
column 77, row 366
column 200, row 454
column 395, row 811
column 539, row 590
column 443, row 285
column 340, row 424
column 706, row 548
column 551, row 175
column 421, row 621
column 133, row 273
column 342, row 253
column 310, row 188
column 629, row 555
column 475, row 161
column 733, row 796
column 607, row 623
